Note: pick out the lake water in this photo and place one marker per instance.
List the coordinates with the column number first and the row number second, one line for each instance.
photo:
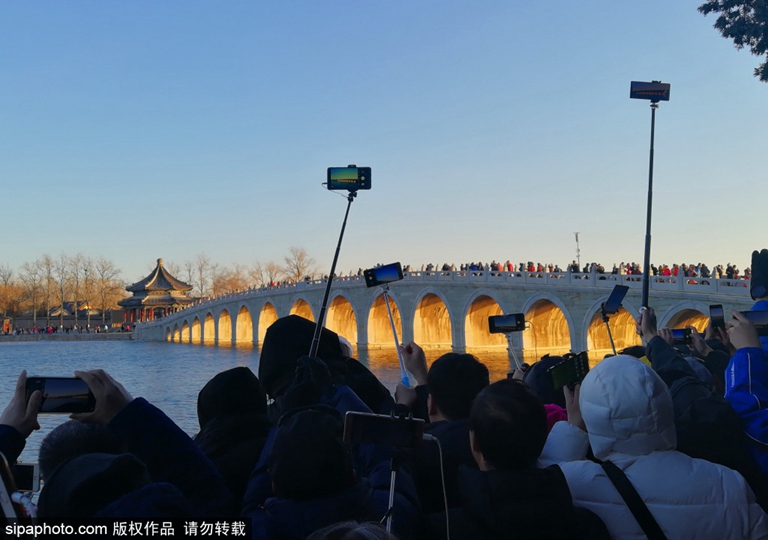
column 167, row 375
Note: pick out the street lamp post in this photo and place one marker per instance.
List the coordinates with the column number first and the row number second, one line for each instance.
column 654, row 91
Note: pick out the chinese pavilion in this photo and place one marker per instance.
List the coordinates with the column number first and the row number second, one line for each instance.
column 155, row 296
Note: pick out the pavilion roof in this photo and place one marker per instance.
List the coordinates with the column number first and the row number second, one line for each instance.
column 159, row 280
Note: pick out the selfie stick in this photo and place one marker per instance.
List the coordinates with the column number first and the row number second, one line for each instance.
column 403, row 371
column 511, row 348
column 607, row 326
column 321, row 317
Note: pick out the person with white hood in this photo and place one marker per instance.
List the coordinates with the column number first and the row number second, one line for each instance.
column 626, row 410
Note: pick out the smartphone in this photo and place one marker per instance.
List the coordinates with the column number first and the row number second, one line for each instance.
column 383, row 274
column 503, row 324
column 682, row 336
column 613, row 303
column 27, row 476
column 349, row 178
column 759, row 320
column 382, row 429
column 572, row 370
column 62, row 394
column 716, row 316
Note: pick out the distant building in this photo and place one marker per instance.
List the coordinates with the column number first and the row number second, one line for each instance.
column 68, row 309
column 155, row 296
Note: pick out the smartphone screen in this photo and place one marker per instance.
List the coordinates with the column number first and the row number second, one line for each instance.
column 717, row 316
column 26, row 476
column 682, row 335
column 502, row 324
column 383, row 274
column 382, row 429
column 613, row 303
column 759, row 320
column 570, row 371
column 349, row 178
column 62, row 394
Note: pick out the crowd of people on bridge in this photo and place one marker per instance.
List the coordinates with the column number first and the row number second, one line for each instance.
column 662, row 440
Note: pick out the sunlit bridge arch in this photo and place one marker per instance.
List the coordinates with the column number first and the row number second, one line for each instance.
column 185, row 332
column 209, row 330
column 267, row 316
column 176, row 334
column 302, row 308
column 225, row 329
column 482, row 305
column 196, row 335
column 685, row 314
column 244, row 327
column 379, row 326
column 168, row 335
column 549, row 327
column 432, row 318
column 341, row 318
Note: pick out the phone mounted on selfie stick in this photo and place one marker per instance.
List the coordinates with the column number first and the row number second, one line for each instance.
column 611, row 306
column 350, row 178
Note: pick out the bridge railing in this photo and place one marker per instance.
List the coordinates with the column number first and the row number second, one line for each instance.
column 731, row 287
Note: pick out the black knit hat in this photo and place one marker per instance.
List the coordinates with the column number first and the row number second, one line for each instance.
column 758, row 281
column 234, row 392
column 84, row 485
column 309, row 459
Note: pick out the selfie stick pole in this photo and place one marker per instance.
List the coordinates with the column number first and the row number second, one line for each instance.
column 392, row 481
column 607, row 326
column 511, row 348
column 403, row 371
column 321, row 317
column 647, row 257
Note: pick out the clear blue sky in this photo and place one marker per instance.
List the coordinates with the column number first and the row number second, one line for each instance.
column 495, row 129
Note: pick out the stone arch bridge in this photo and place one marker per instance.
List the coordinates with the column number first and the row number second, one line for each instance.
column 450, row 310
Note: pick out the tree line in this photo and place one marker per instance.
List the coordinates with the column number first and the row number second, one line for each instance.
column 41, row 285
column 93, row 283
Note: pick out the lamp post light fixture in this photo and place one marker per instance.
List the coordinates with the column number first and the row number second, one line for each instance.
column 654, row 91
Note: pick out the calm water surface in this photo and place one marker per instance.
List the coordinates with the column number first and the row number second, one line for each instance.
column 167, row 375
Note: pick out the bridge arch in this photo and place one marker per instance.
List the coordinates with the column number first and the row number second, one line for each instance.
column 168, row 335
column 224, row 335
column 685, row 314
column 176, row 333
column 267, row 315
column 209, row 330
column 481, row 305
column 432, row 319
column 244, row 327
column 302, row 308
column 379, row 327
column 550, row 329
column 341, row 318
column 196, row 336
column 622, row 326
column 185, row 332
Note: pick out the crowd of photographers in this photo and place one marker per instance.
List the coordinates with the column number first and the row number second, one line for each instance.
column 659, row 441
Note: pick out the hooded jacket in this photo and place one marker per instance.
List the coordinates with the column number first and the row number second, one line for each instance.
column 628, row 413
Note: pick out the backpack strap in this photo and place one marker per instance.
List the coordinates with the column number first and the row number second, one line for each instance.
column 633, row 500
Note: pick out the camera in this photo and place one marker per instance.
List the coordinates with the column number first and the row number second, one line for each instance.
column 716, row 316
column 26, row 476
column 503, row 324
column 350, row 178
column 397, row 431
column 571, row 371
column 682, row 336
column 62, row 394
column 759, row 320
column 383, row 274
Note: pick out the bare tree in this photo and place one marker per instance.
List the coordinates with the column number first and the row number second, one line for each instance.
column 256, row 274
column 203, row 271
column 32, row 279
column 88, row 285
column 6, row 288
column 299, row 264
column 45, row 263
column 229, row 280
column 108, row 289
column 76, row 277
column 61, row 276
column 273, row 271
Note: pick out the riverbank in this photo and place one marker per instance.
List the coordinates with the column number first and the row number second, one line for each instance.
column 93, row 336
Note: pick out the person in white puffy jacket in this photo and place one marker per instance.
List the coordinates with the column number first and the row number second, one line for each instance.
column 627, row 412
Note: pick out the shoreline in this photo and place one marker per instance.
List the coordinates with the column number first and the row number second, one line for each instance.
column 102, row 336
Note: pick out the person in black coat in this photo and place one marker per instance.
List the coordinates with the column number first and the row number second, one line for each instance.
column 509, row 497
